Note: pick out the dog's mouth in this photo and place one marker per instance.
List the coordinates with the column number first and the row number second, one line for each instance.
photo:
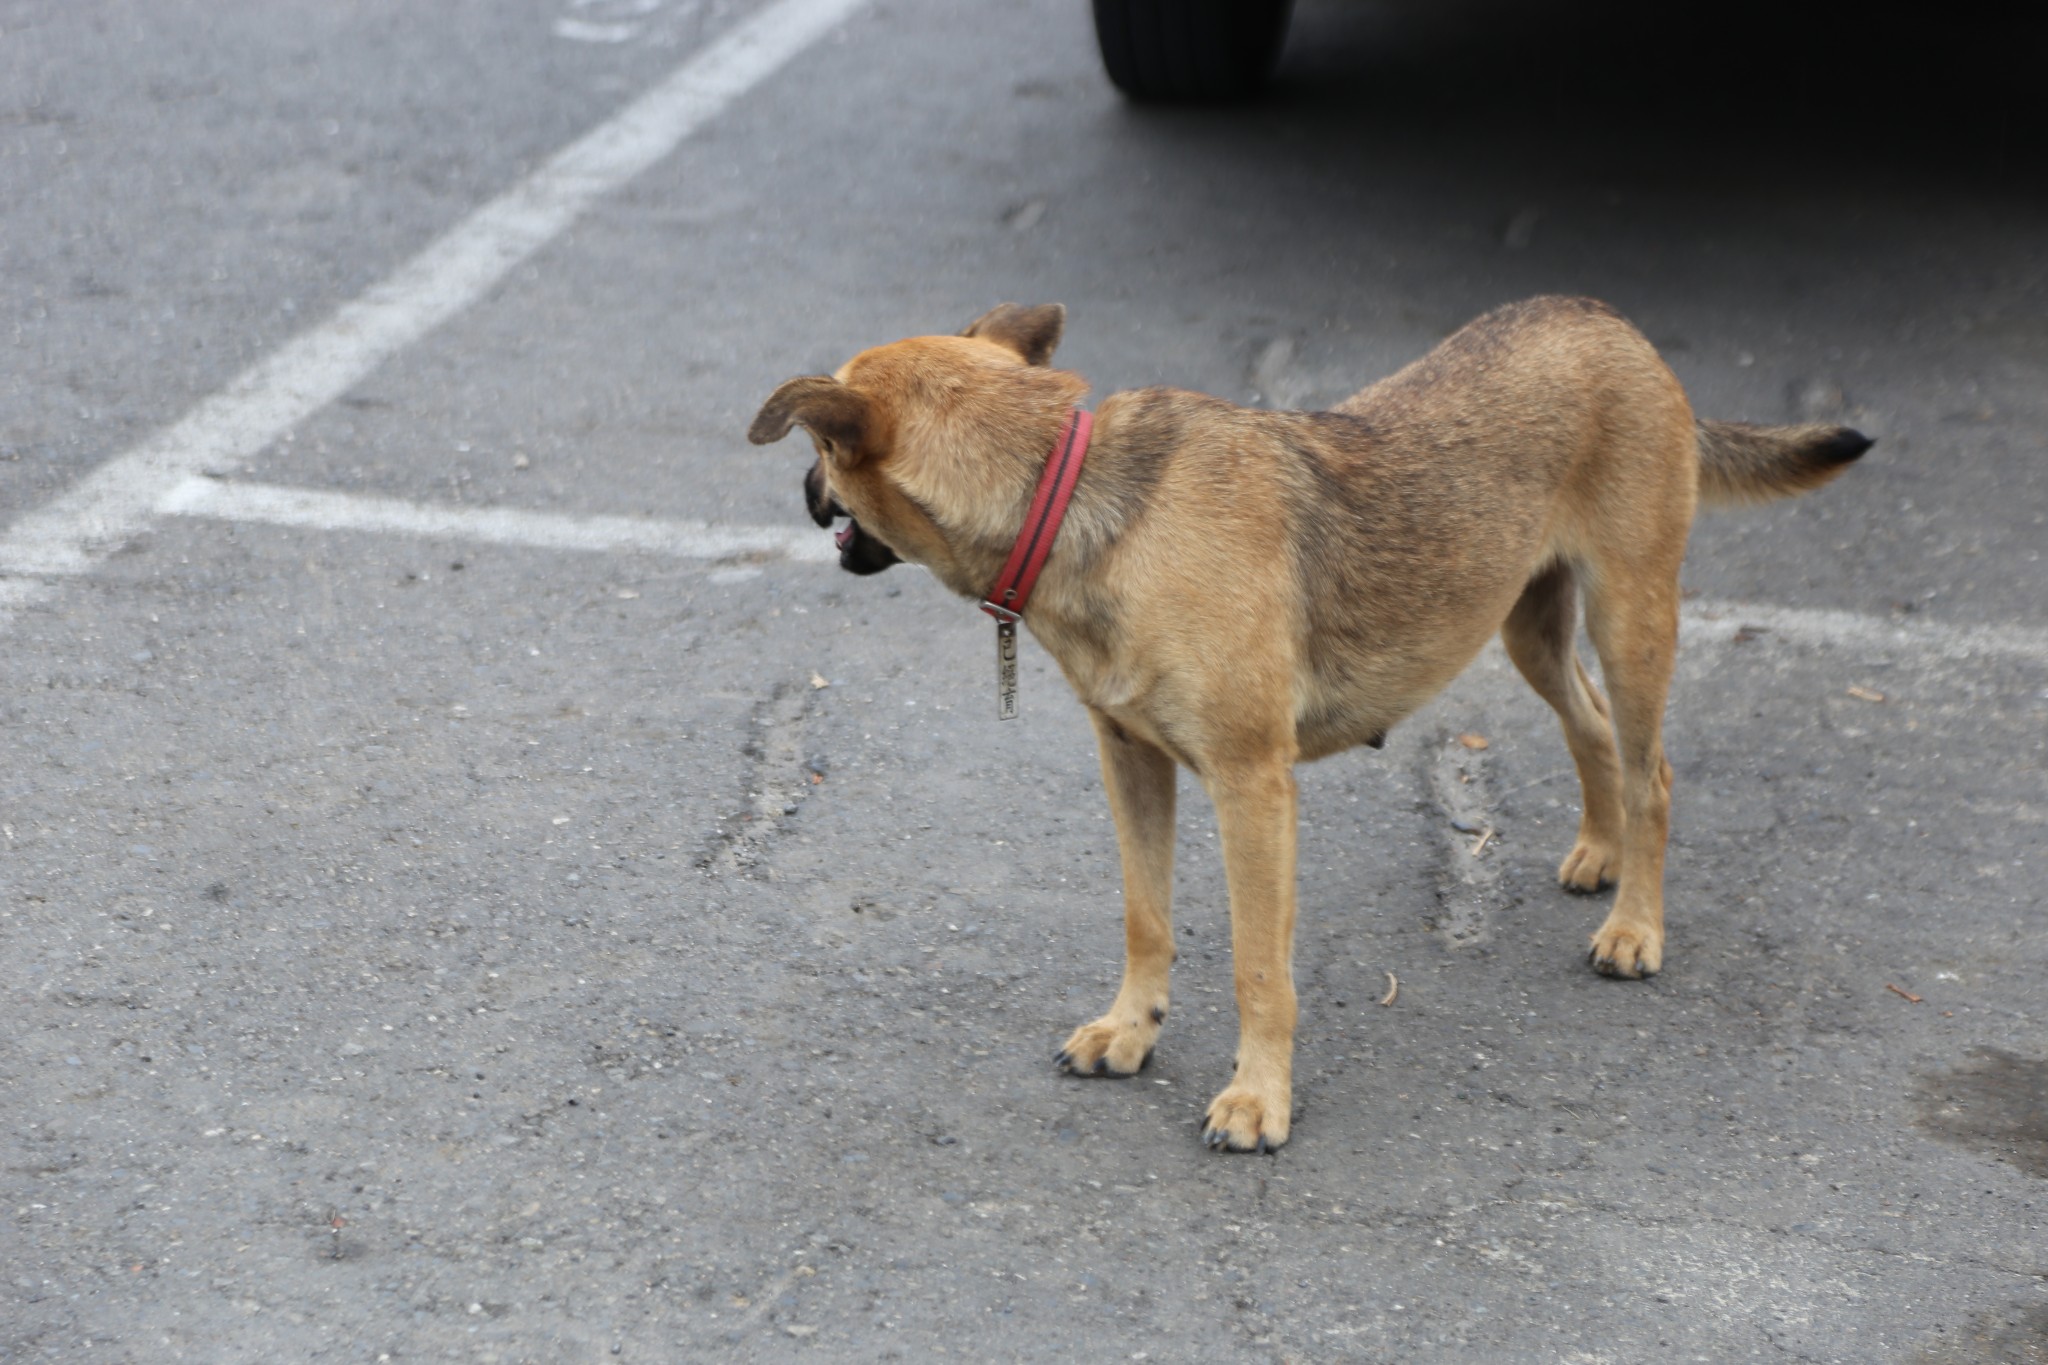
column 860, row 552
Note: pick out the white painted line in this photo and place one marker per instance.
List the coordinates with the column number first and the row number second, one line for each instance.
column 1707, row 622
column 309, row 508
column 109, row 506
column 1701, row 623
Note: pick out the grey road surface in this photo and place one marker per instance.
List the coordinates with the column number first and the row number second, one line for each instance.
column 479, row 914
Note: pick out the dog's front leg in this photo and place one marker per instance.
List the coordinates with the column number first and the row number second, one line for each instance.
column 1139, row 778
column 1256, row 819
column 1255, row 816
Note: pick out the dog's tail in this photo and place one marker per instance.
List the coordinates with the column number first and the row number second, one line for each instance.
column 1742, row 463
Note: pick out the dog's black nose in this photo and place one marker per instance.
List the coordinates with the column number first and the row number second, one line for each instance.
column 823, row 507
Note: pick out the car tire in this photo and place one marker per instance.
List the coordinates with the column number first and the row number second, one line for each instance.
column 1190, row 49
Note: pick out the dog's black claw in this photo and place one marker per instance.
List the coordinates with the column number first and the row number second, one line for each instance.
column 1144, row 1061
column 1260, row 1148
column 1101, row 1067
column 1064, row 1060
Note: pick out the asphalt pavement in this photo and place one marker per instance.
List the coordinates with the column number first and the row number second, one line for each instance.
column 477, row 883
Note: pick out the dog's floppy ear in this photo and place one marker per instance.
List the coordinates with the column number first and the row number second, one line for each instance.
column 830, row 411
column 1031, row 332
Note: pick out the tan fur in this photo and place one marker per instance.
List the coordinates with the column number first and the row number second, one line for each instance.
column 1236, row 591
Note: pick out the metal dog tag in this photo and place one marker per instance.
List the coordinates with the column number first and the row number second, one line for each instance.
column 1006, row 670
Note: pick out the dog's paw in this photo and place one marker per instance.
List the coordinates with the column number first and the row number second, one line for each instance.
column 1117, row 1044
column 1592, row 864
column 1627, row 949
column 1245, row 1120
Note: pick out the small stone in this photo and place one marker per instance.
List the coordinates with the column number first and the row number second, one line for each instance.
column 1818, row 399
column 1269, row 373
column 1025, row 216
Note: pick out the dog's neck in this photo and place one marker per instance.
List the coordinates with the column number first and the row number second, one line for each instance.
column 979, row 503
column 1091, row 522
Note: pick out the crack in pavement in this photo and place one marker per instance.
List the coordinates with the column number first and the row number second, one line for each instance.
column 776, row 784
column 1454, row 776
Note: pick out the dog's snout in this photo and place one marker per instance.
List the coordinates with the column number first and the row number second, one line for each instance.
column 859, row 552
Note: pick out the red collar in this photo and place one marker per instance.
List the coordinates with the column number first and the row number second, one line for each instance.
column 1005, row 601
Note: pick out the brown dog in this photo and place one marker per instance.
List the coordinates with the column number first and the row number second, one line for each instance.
column 1238, row 590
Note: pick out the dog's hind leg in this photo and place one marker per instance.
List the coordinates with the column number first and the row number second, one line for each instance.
column 1539, row 635
column 1632, row 615
column 1140, row 780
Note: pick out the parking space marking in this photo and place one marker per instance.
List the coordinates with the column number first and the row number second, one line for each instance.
column 1702, row 622
column 80, row 527
column 316, row 509
column 1705, row 621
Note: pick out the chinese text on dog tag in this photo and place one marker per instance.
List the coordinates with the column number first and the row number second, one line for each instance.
column 1006, row 670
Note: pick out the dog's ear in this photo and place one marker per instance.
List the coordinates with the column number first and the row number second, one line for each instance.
column 830, row 411
column 1031, row 332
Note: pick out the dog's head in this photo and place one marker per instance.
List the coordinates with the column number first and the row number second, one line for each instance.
column 914, row 439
